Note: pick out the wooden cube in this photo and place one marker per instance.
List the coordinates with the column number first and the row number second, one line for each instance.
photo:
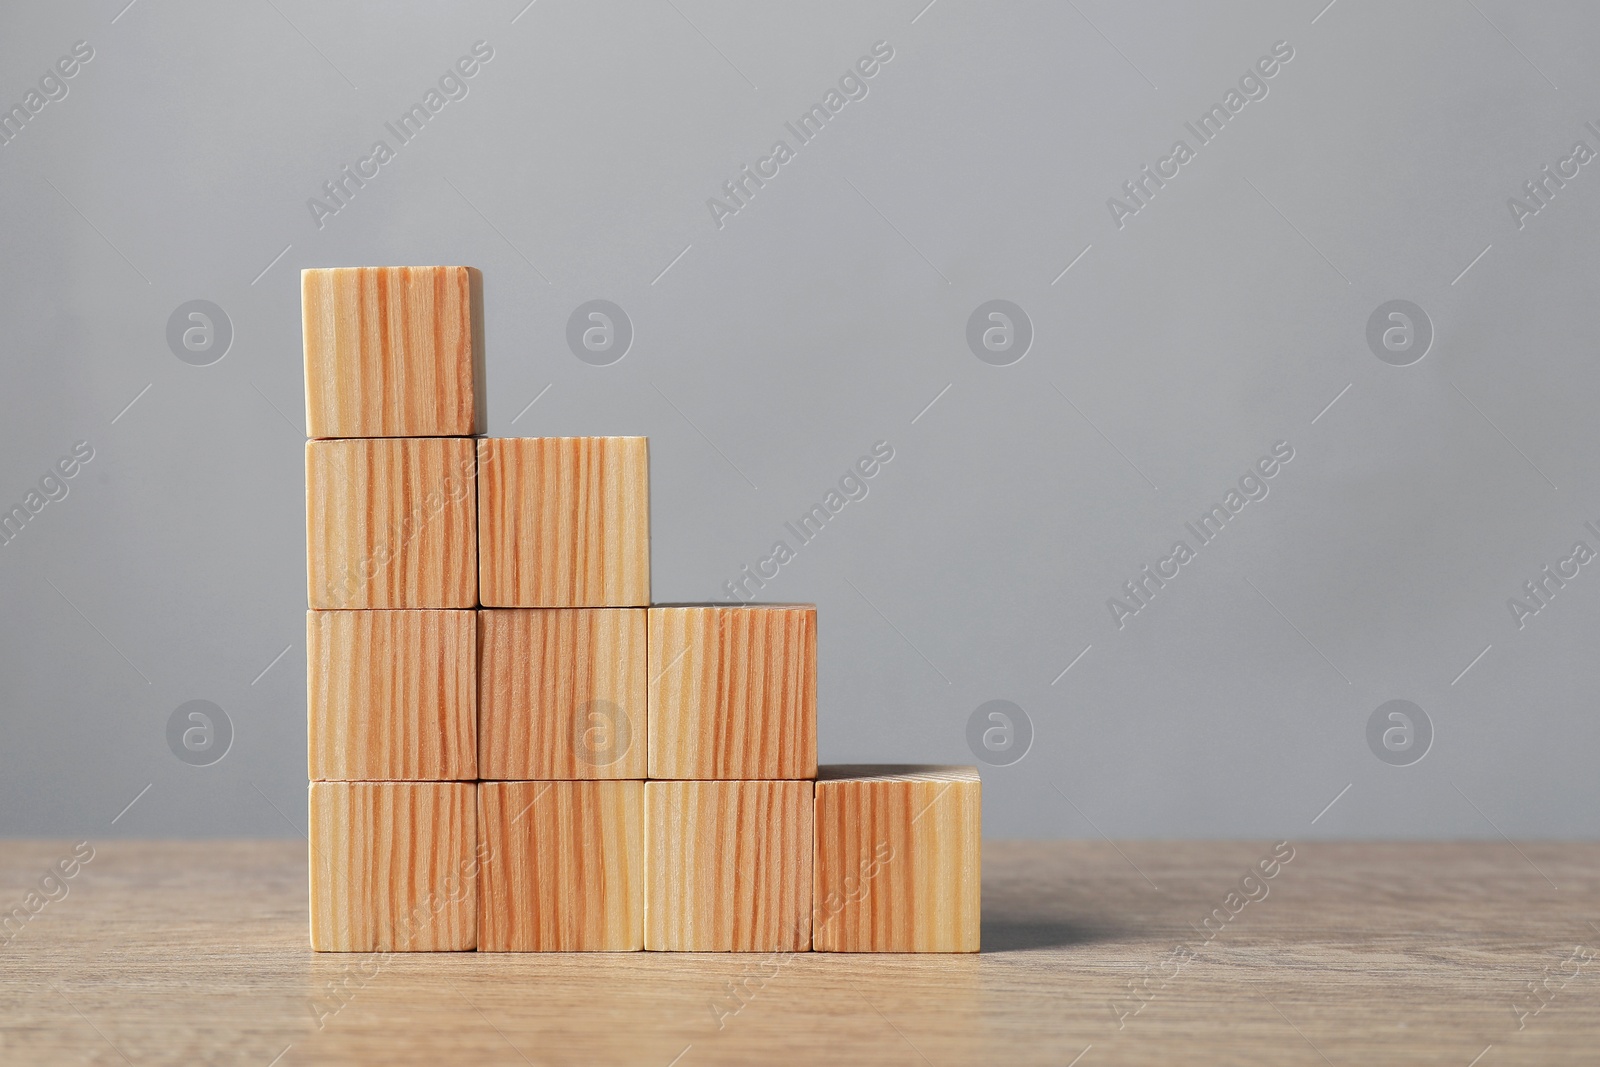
column 392, row 695
column 561, row 693
column 733, row 692
column 393, row 351
column 394, row 866
column 727, row 866
column 391, row 523
column 898, row 862
column 563, row 867
column 564, row 522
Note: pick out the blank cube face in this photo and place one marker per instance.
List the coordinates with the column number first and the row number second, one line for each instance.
column 561, row 693
column 394, row 866
column 563, row 867
column 898, row 860
column 391, row 523
column 564, row 522
column 392, row 695
column 393, row 351
column 727, row 866
column 733, row 692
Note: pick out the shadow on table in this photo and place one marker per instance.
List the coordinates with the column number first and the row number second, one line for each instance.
column 1018, row 934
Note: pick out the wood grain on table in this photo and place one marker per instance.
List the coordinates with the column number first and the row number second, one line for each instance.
column 1392, row 953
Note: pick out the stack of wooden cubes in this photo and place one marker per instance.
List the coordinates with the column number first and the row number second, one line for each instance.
column 510, row 748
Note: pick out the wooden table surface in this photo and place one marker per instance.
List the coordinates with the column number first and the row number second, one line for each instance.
column 1394, row 953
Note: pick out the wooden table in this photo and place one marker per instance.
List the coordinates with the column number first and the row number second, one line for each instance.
column 1396, row 953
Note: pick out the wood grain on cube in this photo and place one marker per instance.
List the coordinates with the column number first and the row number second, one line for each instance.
column 733, row 691
column 561, row 693
column 394, row 866
column 393, row 351
column 391, row 523
column 563, row 867
column 564, row 522
column 898, row 860
column 727, row 866
column 392, row 695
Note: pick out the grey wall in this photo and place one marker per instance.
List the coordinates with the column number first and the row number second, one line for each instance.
column 831, row 312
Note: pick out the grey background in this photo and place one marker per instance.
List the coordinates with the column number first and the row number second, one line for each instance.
column 827, row 315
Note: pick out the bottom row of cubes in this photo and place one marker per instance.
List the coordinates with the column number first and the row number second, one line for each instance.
column 866, row 859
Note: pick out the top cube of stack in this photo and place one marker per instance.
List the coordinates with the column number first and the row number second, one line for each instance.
column 393, row 351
